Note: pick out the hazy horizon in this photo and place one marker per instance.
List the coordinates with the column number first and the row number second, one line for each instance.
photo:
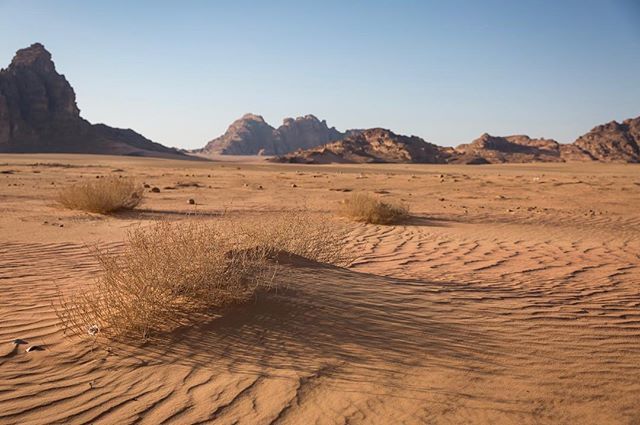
column 180, row 74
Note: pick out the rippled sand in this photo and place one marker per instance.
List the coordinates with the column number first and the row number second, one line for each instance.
column 512, row 296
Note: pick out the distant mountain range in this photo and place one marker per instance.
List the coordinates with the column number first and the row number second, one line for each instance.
column 251, row 135
column 38, row 113
column 308, row 140
column 612, row 142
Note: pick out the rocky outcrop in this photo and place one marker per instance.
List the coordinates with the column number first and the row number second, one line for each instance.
column 376, row 145
column 304, row 133
column 248, row 135
column 251, row 135
column 38, row 113
column 489, row 149
column 613, row 142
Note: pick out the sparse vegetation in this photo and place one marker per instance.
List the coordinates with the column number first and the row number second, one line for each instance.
column 301, row 233
column 170, row 273
column 103, row 196
column 165, row 273
column 368, row 209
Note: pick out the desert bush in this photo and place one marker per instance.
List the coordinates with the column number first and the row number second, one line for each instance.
column 312, row 236
column 368, row 209
column 165, row 273
column 169, row 273
column 102, row 195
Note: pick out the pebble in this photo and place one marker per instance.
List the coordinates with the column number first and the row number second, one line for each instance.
column 34, row 348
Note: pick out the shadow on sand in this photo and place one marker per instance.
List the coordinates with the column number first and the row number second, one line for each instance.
column 322, row 315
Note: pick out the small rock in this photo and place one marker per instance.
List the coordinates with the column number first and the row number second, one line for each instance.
column 192, row 201
column 19, row 341
column 34, row 348
column 155, row 190
column 294, row 185
column 146, row 186
column 260, row 187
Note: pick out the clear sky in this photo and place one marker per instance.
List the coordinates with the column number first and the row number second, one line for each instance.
column 180, row 72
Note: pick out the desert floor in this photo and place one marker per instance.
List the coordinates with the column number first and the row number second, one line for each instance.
column 511, row 296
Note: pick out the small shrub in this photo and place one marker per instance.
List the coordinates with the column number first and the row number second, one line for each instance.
column 169, row 273
column 165, row 273
column 311, row 236
column 368, row 209
column 102, row 196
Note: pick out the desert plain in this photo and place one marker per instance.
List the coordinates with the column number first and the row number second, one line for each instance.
column 511, row 295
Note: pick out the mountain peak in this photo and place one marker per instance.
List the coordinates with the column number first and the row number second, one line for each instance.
column 252, row 117
column 34, row 55
column 38, row 113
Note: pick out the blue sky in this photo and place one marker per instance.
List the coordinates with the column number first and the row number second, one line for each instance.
column 179, row 72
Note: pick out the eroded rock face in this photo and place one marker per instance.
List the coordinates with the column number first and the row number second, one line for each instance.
column 304, row 133
column 370, row 146
column 38, row 113
column 251, row 135
column 248, row 135
column 517, row 148
column 36, row 101
column 613, row 142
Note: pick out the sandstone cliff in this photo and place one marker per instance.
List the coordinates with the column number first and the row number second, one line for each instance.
column 251, row 135
column 613, row 142
column 370, row 146
column 38, row 113
column 517, row 148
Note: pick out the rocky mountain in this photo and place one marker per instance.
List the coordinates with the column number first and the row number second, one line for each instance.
column 248, row 135
column 251, row 135
column 38, row 113
column 613, row 142
column 489, row 149
column 371, row 146
column 303, row 133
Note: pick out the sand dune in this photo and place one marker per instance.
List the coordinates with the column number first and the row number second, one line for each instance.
column 512, row 296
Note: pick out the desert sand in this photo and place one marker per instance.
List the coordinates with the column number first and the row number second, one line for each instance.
column 512, row 295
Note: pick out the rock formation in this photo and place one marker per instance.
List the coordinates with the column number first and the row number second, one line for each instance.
column 38, row 113
column 370, row 146
column 304, row 133
column 489, row 149
column 251, row 135
column 613, row 142
column 248, row 135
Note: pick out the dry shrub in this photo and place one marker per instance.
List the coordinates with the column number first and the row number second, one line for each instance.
column 368, row 209
column 102, row 195
column 166, row 272
column 169, row 273
column 311, row 236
